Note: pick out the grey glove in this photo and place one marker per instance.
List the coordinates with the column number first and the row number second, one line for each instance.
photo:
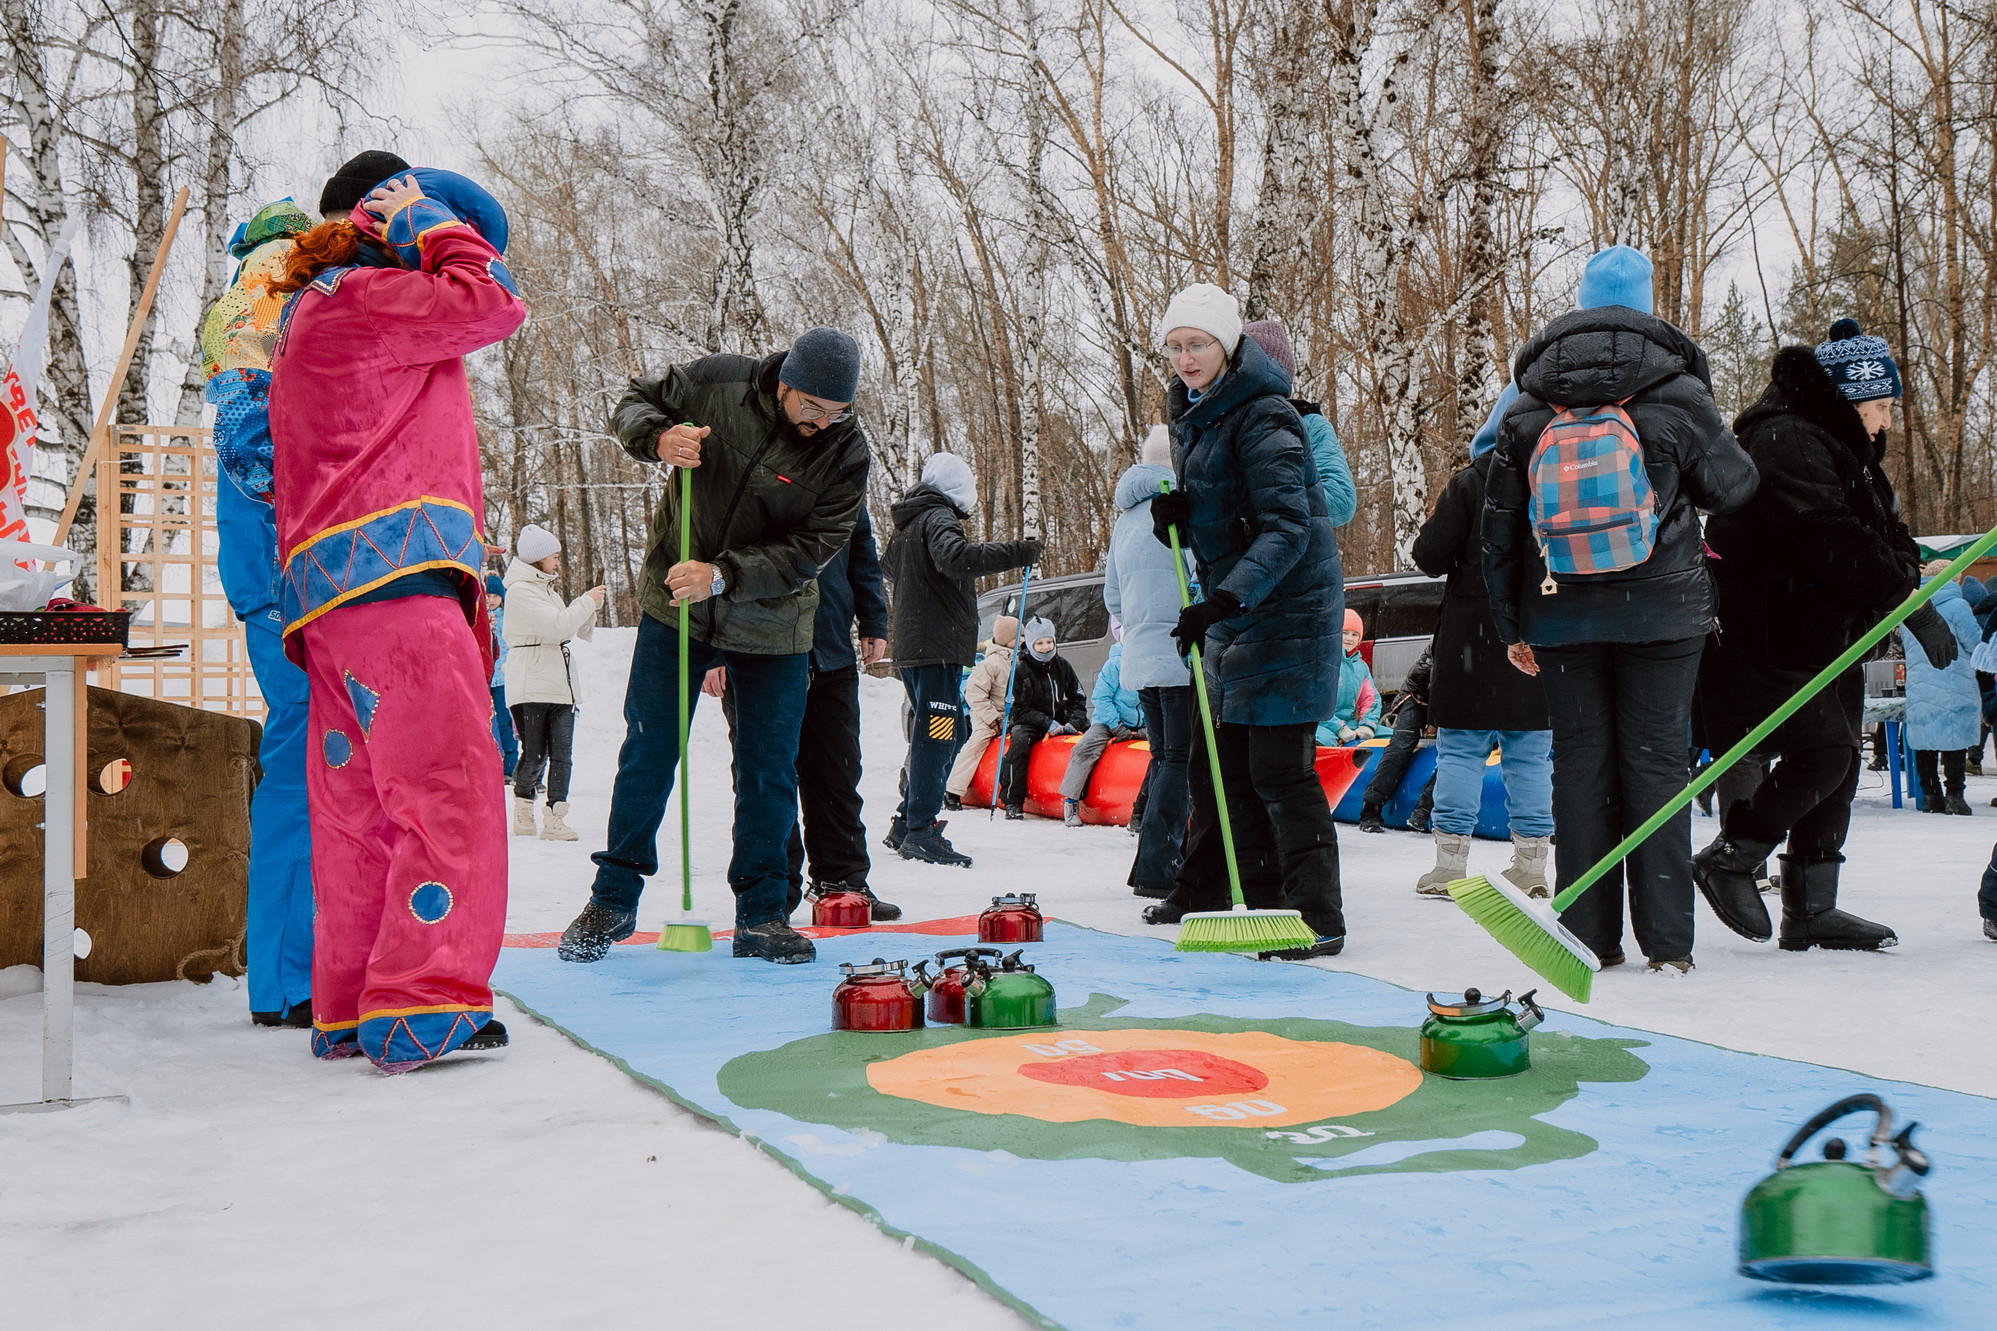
column 1937, row 639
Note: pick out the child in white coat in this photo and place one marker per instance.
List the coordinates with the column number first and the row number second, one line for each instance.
column 540, row 677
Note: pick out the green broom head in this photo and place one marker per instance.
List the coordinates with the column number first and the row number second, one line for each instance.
column 1531, row 932
column 1241, row 930
column 684, row 935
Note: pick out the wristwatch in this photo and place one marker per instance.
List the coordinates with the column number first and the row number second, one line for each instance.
column 720, row 584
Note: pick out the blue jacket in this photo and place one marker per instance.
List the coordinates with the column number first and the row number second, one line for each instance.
column 246, row 547
column 499, row 647
column 1358, row 700
column 1140, row 588
column 1260, row 529
column 1341, row 497
column 1110, row 704
column 1944, row 708
column 849, row 588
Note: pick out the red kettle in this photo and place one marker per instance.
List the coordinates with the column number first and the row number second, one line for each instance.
column 840, row 909
column 945, row 998
column 875, row 997
column 1012, row 919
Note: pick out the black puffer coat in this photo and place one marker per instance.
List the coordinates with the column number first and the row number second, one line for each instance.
column 1813, row 560
column 1472, row 686
column 1047, row 692
column 1259, row 528
column 934, row 568
column 1587, row 359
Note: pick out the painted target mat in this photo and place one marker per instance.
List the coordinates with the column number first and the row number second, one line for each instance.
column 1209, row 1142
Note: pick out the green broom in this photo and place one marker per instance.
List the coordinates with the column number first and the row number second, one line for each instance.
column 1239, row 929
column 1532, row 929
column 685, row 934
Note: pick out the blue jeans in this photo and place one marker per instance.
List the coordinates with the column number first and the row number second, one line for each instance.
column 769, row 697
column 933, row 740
column 1527, row 759
column 278, row 942
column 1168, row 723
column 502, row 731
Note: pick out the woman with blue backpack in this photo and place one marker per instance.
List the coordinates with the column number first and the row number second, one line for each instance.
column 1597, row 577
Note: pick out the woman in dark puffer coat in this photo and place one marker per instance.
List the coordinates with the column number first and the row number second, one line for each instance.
column 1816, row 558
column 1249, row 503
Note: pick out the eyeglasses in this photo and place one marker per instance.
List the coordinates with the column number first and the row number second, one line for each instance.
column 807, row 410
column 1198, row 348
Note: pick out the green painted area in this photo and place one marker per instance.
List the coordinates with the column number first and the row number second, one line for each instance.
column 823, row 1079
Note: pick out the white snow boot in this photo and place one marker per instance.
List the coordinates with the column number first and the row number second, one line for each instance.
column 523, row 817
column 552, row 826
column 1452, row 861
column 1528, row 868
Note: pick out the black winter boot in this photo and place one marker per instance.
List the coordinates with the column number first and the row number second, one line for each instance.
column 897, row 833
column 1726, row 873
column 884, row 912
column 492, row 1035
column 774, row 940
column 1370, row 820
column 929, row 847
column 1810, row 917
column 954, row 803
column 590, row 934
column 1418, row 818
column 1957, row 804
column 1015, row 813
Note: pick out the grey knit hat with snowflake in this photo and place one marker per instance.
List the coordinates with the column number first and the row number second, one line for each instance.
column 1859, row 364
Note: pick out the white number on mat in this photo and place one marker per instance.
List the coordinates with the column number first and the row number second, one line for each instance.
column 1156, row 1074
column 1235, row 1109
column 1323, row 1132
column 1061, row 1049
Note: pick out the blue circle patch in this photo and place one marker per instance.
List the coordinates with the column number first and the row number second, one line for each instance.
column 339, row 750
column 430, row 902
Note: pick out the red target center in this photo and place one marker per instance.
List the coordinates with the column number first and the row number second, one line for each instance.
column 1152, row 1074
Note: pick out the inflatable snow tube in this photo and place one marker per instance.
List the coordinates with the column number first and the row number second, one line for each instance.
column 1119, row 774
column 1493, row 821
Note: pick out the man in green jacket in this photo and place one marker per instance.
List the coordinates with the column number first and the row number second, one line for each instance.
column 779, row 475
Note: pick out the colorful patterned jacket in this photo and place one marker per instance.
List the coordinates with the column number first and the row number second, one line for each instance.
column 377, row 456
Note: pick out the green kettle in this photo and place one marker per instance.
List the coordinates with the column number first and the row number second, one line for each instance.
column 1473, row 1038
column 1836, row 1222
column 1010, row 997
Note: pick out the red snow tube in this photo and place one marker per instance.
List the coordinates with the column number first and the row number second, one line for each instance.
column 1113, row 785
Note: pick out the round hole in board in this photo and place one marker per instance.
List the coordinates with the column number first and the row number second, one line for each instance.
column 164, row 856
column 25, row 775
column 112, row 777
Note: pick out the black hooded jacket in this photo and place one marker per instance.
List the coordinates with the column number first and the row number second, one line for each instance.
column 1591, row 358
column 934, row 568
column 1813, row 560
column 1047, row 692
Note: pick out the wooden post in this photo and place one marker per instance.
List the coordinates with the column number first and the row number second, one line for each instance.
column 100, row 432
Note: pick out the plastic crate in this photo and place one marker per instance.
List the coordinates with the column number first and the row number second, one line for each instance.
column 66, row 627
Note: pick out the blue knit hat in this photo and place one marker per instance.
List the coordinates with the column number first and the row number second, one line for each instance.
column 1617, row 275
column 1859, row 364
column 495, row 585
column 825, row 364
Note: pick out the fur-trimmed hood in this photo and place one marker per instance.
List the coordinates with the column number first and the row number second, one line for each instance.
column 1797, row 384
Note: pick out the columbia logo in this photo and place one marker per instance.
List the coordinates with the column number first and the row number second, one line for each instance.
column 1577, row 468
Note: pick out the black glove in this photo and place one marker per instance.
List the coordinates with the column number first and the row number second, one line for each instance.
column 1196, row 619
column 1937, row 639
column 1169, row 510
column 1030, row 550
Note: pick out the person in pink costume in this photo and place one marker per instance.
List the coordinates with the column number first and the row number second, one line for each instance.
column 380, row 516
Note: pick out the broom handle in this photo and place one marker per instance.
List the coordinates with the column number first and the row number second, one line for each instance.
column 1206, row 720
column 1005, row 724
column 686, row 816
column 1919, row 598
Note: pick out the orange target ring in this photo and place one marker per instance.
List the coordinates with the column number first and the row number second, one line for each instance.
column 1152, row 1078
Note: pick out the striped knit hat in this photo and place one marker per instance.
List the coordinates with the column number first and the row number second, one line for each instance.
column 1858, row 363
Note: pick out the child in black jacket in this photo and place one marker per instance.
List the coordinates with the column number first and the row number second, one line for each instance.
column 1046, row 700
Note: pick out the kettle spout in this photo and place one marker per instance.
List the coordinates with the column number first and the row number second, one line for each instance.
column 1531, row 1016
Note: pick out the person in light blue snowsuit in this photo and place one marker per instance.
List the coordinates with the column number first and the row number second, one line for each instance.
column 1944, row 708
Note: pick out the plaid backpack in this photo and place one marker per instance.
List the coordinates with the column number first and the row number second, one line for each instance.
column 1592, row 508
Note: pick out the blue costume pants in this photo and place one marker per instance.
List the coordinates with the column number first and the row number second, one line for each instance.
column 280, row 912
column 1527, row 758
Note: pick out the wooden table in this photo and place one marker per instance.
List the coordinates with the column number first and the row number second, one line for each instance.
column 63, row 669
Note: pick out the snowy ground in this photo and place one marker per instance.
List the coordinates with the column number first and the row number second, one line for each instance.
column 246, row 1184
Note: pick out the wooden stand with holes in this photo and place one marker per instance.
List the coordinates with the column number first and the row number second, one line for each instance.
column 135, row 784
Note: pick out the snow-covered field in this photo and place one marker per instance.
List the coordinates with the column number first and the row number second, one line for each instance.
column 247, row 1185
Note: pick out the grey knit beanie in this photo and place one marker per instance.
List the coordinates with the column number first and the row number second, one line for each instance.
column 824, row 363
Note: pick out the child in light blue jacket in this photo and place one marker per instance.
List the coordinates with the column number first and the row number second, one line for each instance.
column 1114, row 713
column 1358, row 700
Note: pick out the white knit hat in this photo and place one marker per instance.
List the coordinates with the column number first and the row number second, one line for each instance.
column 535, row 544
column 1208, row 308
column 1157, row 446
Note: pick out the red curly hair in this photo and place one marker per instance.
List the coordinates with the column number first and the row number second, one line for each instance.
column 329, row 245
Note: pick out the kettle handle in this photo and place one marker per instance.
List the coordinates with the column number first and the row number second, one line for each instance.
column 1882, row 1128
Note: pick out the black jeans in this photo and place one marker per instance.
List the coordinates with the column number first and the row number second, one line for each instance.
column 1285, row 842
column 938, row 718
column 1168, row 721
column 1806, row 797
column 1621, row 712
column 1931, row 780
column 771, row 689
column 1986, row 896
column 547, row 736
column 829, row 833
column 1400, row 751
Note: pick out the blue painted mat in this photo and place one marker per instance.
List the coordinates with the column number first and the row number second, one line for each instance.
column 1207, row 1142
